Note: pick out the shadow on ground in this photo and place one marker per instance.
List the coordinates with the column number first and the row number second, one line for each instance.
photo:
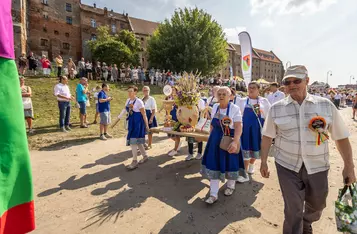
column 68, row 143
column 170, row 185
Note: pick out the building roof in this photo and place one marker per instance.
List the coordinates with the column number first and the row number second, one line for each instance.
column 230, row 47
column 100, row 11
column 267, row 56
column 144, row 27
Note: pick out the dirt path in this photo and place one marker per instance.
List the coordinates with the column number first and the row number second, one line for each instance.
column 86, row 189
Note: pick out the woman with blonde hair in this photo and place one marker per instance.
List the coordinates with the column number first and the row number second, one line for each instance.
column 72, row 69
column 220, row 164
column 151, row 109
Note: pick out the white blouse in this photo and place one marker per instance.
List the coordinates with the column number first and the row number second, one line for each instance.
column 234, row 113
column 137, row 105
column 150, row 104
column 263, row 102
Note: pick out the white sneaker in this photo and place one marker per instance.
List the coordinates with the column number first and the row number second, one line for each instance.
column 251, row 169
column 179, row 146
column 172, row 153
column 242, row 179
column 199, row 156
column 103, row 138
column 189, row 157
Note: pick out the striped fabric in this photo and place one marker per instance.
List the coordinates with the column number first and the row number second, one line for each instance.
column 295, row 143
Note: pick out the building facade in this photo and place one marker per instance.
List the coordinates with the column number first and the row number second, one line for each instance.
column 52, row 27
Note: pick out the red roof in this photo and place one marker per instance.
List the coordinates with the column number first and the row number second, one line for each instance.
column 144, row 27
column 267, row 56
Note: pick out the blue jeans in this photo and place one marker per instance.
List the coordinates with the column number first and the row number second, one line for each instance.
column 64, row 111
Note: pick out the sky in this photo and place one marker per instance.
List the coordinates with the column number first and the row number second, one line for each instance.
column 320, row 34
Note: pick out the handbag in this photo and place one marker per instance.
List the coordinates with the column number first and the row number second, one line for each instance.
column 346, row 209
column 226, row 141
column 87, row 103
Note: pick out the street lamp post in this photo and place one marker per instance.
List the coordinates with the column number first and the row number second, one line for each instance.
column 351, row 77
column 328, row 73
column 288, row 62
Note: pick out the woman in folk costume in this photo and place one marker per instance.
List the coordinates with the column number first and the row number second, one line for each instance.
column 219, row 164
column 254, row 109
column 137, row 126
column 151, row 109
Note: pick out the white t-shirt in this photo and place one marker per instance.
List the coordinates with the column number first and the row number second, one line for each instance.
column 150, row 104
column 263, row 102
column 201, row 104
column 137, row 105
column 63, row 90
column 234, row 113
column 96, row 97
column 338, row 96
column 275, row 97
column 236, row 99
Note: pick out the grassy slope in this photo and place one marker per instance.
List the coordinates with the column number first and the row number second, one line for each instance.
column 47, row 134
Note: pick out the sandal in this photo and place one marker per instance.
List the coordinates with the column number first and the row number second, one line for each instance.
column 228, row 191
column 144, row 160
column 211, row 200
column 133, row 165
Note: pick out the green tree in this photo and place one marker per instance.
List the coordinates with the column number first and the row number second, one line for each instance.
column 190, row 41
column 122, row 48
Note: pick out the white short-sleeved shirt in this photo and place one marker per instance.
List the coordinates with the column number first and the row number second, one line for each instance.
column 137, row 105
column 275, row 97
column 96, row 97
column 150, row 104
column 295, row 143
column 63, row 90
column 234, row 113
column 210, row 101
column 263, row 102
column 338, row 96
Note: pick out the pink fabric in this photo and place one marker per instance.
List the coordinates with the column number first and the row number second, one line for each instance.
column 6, row 30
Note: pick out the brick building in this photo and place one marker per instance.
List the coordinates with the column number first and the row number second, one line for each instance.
column 19, row 18
column 266, row 64
column 52, row 27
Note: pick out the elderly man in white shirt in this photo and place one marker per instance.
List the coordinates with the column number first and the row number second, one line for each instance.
column 302, row 163
column 276, row 94
column 63, row 94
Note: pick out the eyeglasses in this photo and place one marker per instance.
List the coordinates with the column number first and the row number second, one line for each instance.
column 288, row 82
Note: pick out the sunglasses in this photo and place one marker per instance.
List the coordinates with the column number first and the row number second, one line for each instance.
column 288, row 82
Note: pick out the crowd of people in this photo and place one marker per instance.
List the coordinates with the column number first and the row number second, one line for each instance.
column 267, row 118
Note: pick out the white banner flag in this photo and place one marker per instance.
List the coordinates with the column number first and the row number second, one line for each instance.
column 247, row 56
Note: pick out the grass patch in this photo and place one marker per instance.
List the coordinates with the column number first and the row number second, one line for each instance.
column 46, row 123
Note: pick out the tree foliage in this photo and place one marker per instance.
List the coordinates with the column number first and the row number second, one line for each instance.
column 122, row 48
column 190, row 41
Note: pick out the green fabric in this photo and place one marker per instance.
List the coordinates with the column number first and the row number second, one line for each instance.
column 15, row 169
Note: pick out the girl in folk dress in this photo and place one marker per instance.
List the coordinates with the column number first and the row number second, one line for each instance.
column 137, row 123
column 115, row 73
column 151, row 109
column 135, row 73
column 218, row 164
column 254, row 109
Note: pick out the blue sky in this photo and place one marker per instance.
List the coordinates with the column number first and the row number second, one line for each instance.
column 321, row 34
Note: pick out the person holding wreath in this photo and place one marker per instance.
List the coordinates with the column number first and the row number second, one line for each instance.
column 220, row 164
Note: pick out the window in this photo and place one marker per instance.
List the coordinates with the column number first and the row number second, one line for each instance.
column 45, row 2
column 44, row 29
column 122, row 26
column 114, row 28
column 69, row 20
column 45, row 15
column 66, row 46
column 93, row 37
column 142, row 39
column 68, row 7
column 66, row 34
column 44, row 42
column 93, row 23
column 56, row 32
